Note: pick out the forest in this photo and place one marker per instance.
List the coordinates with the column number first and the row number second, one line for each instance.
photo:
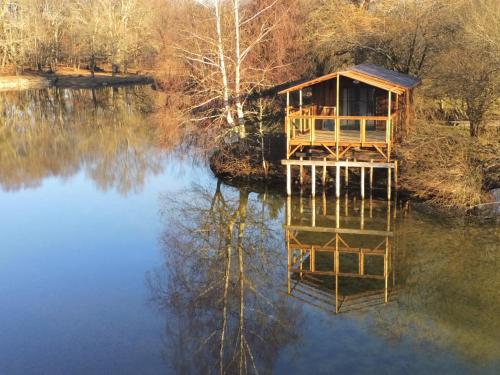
column 220, row 64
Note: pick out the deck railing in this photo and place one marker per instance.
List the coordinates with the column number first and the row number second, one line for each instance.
column 307, row 120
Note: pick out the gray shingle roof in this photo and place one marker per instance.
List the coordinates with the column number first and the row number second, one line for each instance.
column 399, row 79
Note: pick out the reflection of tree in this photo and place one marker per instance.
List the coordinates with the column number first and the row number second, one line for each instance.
column 61, row 131
column 221, row 286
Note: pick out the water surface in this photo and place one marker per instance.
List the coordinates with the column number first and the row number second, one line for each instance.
column 118, row 257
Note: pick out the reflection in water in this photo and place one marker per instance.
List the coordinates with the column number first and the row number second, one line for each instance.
column 426, row 287
column 220, row 287
column 59, row 132
column 337, row 254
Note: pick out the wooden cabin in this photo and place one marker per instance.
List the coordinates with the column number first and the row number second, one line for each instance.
column 357, row 109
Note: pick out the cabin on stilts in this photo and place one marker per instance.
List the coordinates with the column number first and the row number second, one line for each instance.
column 352, row 116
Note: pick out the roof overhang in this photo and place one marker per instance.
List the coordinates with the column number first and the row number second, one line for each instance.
column 312, row 82
column 353, row 74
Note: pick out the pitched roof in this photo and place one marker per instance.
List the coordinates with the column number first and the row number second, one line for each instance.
column 399, row 79
column 368, row 73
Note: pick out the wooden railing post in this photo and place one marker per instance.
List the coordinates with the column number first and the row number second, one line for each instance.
column 312, row 130
column 363, row 130
column 287, row 125
column 337, row 121
column 388, row 121
column 301, row 114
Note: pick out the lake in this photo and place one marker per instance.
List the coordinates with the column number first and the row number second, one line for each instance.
column 120, row 257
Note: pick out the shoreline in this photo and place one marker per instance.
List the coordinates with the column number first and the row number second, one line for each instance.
column 31, row 81
column 276, row 181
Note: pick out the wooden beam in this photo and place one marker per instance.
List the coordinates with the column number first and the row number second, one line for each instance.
column 319, row 229
column 340, row 163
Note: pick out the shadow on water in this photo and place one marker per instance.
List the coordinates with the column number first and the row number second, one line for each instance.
column 231, row 305
column 60, row 132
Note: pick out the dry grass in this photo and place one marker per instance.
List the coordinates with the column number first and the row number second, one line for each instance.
column 448, row 168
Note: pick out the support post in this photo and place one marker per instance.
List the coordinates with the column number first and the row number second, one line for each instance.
column 388, row 122
column 300, row 106
column 371, row 175
column 389, row 183
column 337, row 213
column 386, row 270
column 287, row 125
column 289, row 179
column 362, row 221
column 346, row 176
column 395, row 174
column 363, row 183
column 323, row 177
column 313, row 211
column 363, row 131
column 313, row 180
column 337, row 181
column 337, row 120
column 324, row 203
column 301, row 171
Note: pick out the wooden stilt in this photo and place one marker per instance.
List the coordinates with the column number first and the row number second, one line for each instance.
column 289, row 210
column 324, row 203
column 371, row 175
column 313, row 180
column 389, row 184
column 363, row 183
column 301, row 171
column 337, row 181
column 337, row 213
column 301, row 262
column 289, row 179
column 371, row 206
column 289, row 265
column 301, row 201
column 346, row 174
column 323, row 177
column 362, row 221
column 313, row 211
column 386, row 269
column 395, row 174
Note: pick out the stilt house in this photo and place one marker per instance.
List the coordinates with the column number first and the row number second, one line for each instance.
column 353, row 111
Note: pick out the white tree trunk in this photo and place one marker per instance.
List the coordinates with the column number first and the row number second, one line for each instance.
column 237, row 88
column 222, row 64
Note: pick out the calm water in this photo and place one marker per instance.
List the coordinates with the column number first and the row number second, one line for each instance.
column 119, row 258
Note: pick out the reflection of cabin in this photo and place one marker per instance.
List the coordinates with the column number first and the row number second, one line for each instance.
column 340, row 257
column 356, row 109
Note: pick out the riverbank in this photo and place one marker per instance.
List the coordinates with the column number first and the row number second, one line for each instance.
column 441, row 167
column 69, row 79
